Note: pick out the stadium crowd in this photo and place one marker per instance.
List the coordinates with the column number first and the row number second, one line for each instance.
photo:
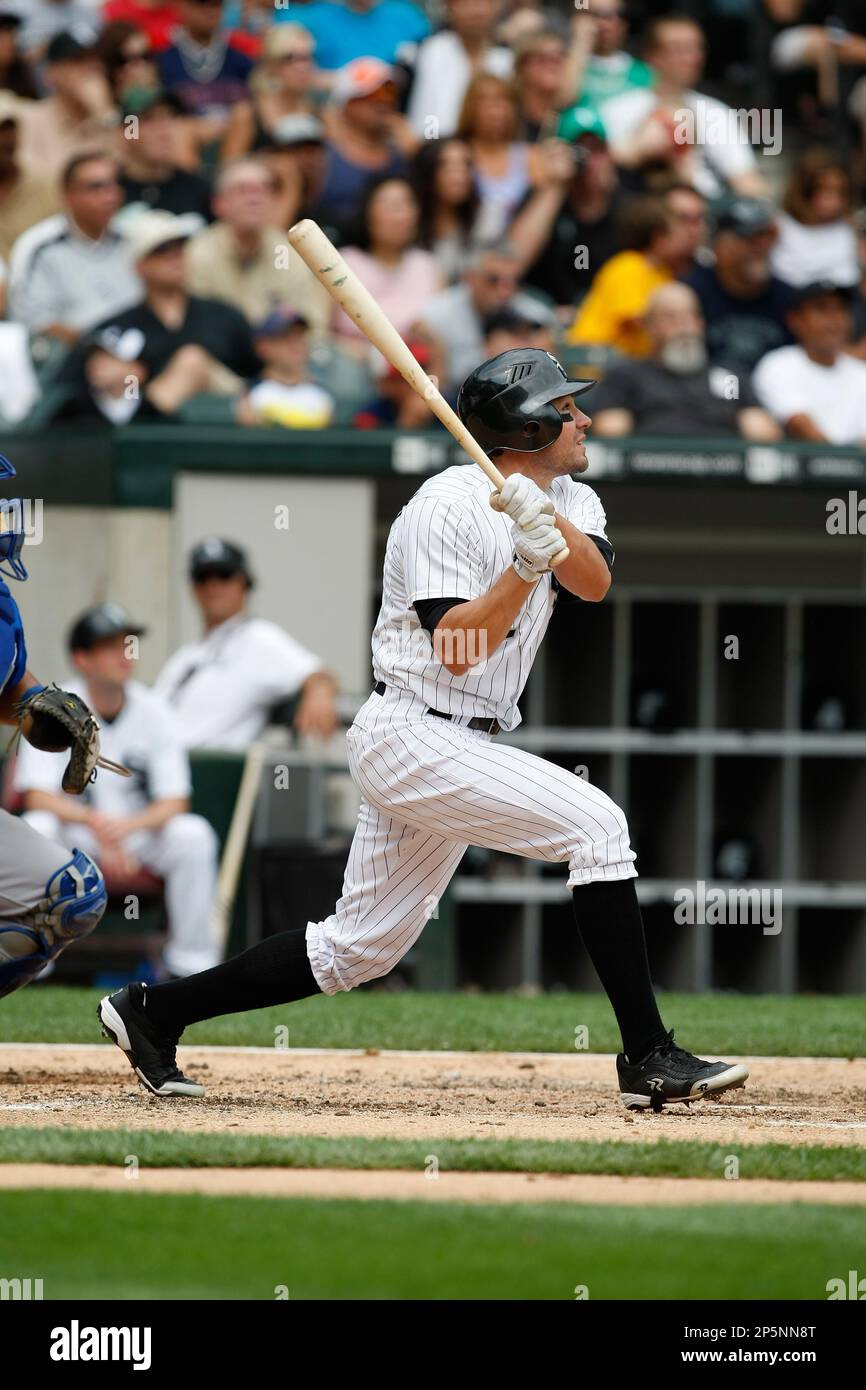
column 592, row 179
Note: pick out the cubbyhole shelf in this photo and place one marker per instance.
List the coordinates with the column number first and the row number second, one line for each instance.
column 834, row 667
column 831, row 950
column 744, row 957
column 672, row 947
column 579, row 667
column 832, row 819
column 664, row 657
column 661, row 808
column 747, row 816
column 750, row 687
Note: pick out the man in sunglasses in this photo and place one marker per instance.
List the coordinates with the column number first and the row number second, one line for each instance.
column 224, row 687
column 71, row 270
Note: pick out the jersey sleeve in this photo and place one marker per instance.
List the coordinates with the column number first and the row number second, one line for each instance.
column 441, row 550
column 168, row 774
column 13, row 648
column 283, row 663
column 584, row 510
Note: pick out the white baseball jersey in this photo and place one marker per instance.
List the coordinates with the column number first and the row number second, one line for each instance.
column 222, row 688
column 429, row 785
column 448, row 542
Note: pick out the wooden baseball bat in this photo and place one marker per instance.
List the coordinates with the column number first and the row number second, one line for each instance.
column 236, row 842
column 343, row 285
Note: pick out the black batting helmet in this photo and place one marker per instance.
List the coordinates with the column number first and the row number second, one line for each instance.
column 506, row 402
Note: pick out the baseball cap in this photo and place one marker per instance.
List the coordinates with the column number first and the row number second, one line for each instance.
column 360, row 78
column 816, row 289
column 508, row 321
column 104, row 621
column 279, row 321
column 299, row 129
column 64, row 48
column 215, row 555
column 157, row 227
column 580, row 121
column 745, row 216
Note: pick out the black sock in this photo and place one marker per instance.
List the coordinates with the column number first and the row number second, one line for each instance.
column 275, row 971
column 608, row 918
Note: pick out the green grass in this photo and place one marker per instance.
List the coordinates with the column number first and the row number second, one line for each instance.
column 664, row 1158
column 87, row 1245
column 825, row 1026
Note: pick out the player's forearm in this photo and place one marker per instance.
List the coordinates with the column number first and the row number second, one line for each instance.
column 478, row 627
column 155, row 815
column 802, row 426
column 10, row 698
column 66, row 808
column 530, row 230
column 585, row 572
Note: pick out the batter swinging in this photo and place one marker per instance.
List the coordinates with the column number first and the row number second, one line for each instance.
column 468, row 593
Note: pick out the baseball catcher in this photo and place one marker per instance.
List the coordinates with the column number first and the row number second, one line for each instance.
column 47, row 898
column 468, row 592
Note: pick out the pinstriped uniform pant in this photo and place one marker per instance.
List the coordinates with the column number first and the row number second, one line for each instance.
column 431, row 788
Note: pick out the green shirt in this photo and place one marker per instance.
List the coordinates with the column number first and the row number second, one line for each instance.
column 603, row 79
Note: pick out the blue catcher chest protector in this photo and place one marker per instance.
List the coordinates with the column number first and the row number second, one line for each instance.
column 11, row 529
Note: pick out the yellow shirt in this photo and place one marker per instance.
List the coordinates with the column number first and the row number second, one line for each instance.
column 612, row 312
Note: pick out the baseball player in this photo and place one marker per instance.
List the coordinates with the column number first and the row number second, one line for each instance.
column 49, row 896
column 468, row 593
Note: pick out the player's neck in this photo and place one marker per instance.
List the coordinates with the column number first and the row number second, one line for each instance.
column 106, row 700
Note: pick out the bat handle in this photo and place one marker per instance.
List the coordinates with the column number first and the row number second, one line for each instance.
column 560, row 555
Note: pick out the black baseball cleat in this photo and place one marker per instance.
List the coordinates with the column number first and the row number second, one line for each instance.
column 668, row 1073
column 152, row 1056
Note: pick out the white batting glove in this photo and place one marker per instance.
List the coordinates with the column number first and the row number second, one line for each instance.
column 534, row 548
column 522, row 500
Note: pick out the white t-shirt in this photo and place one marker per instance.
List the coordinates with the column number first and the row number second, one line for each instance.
column 448, row 542
column 718, row 154
column 805, row 254
column 144, row 736
column 442, row 74
column 223, row 687
column 787, row 383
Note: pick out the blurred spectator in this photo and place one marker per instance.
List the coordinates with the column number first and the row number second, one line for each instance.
column 659, row 247
column 16, row 75
column 128, row 60
column 447, row 61
column 505, row 167
column 78, row 112
column 155, row 18
column 357, row 28
column 387, row 259
column 397, row 404
column 506, row 329
column 285, row 393
column 245, row 260
column 224, row 686
column 642, row 125
column 170, row 345
column 73, row 269
column 130, row 822
column 26, row 196
column 568, row 227
column 824, row 36
column 452, row 222
column 743, row 303
column 604, row 69
column 205, row 66
column 295, row 156
column 816, row 240
column 858, row 295
column 540, row 81
column 456, row 316
column 815, row 388
column 364, row 139
column 45, row 20
column 280, row 86
column 149, row 148
column 676, row 390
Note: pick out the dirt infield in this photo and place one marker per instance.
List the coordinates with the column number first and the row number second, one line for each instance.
column 426, row 1095
column 447, row 1187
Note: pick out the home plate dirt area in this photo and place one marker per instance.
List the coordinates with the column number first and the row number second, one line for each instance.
column 426, row 1095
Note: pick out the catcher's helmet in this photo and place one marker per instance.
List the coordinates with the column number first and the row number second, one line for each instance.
column 506, row 402
column 11, row 530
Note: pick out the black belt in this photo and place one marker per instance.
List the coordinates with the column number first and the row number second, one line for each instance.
column 487, row 726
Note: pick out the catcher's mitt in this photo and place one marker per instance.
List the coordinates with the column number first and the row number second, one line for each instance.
column 53, row 720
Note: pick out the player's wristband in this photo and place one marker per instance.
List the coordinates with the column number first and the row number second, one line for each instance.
column 527, row 574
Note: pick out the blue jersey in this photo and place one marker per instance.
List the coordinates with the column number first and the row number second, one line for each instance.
column 13, row 650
